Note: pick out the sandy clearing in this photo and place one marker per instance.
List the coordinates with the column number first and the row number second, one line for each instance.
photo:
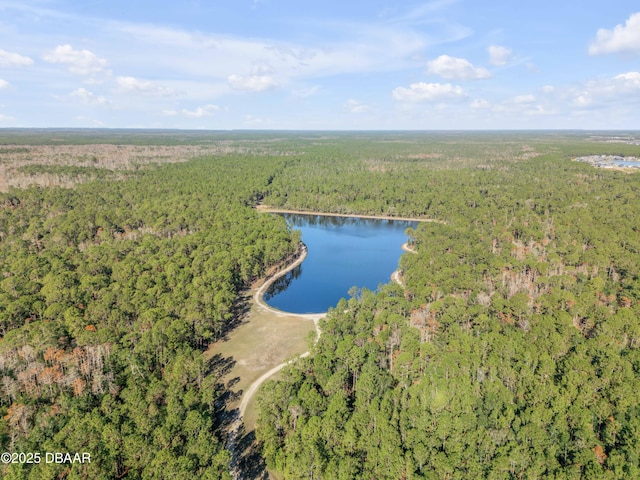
column 258, row 343
column 261, row 304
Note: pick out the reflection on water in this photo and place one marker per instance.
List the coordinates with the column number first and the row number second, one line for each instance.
column 282, row 283
column 342, row 252
column 360, row 227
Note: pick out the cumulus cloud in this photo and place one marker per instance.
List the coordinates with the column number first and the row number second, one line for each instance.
column 428, row 92
column 622, row 39
column 5, row 118
column 205, row 111
column 89, row 98
column 629, row 79
column 499, row 55
column 452, row 68
column 3, row 84
column 252, row 83
column 597, row 94
column 346, row 47
column 524, row 99
column 143, row 87
column 79, row 62
column 582, row 100
column 8, row 59
column 354, row 106
column 623, row 85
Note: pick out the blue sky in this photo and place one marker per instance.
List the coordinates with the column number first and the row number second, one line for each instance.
column 281, row 64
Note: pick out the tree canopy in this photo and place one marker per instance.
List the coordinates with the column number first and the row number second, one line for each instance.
column 511, row 349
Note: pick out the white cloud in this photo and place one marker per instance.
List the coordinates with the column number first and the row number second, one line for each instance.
column 200, row 112
column 428, row 92
column 205, row 111
column 261, row 68
column 629, row 79
column 8, row 59
column 79, row 62
column 341, row 47
column 252, row 83
column 3, row 84
column 499, row 55
column 452, row 68
column 602, row 94
column 478, row 104
column 144, row 87
column 582, row 100
column 89, row 98
column 354, row 106
column 538, row 109
column 622, row 39
column 524, row 99
column 624, row 86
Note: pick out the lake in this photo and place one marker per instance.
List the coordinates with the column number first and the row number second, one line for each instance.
column 628, row 163
column 343, row 252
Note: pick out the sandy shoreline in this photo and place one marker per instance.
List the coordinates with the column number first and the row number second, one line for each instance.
column 259, row 302
column 268, row 209
column 248, row 393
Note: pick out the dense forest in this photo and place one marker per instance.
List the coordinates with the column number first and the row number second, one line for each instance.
column 512, row 349
column 109, row 293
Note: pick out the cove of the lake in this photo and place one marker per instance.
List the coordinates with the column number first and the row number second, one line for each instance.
column 342, row 252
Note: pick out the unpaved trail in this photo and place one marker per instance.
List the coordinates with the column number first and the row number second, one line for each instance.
column 249, row 393
column 258, row 300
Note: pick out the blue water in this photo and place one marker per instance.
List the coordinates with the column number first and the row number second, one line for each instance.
column 627, row 163
column 342, row 253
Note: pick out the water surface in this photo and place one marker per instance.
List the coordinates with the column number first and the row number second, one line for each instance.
column 627, row 163
column 343, row 252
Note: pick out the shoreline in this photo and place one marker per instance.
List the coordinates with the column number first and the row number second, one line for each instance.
column 248, row 395
column 259, row 293
column 407, row 248
column 268, row 209
column 260, row 303
column 257, row 298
